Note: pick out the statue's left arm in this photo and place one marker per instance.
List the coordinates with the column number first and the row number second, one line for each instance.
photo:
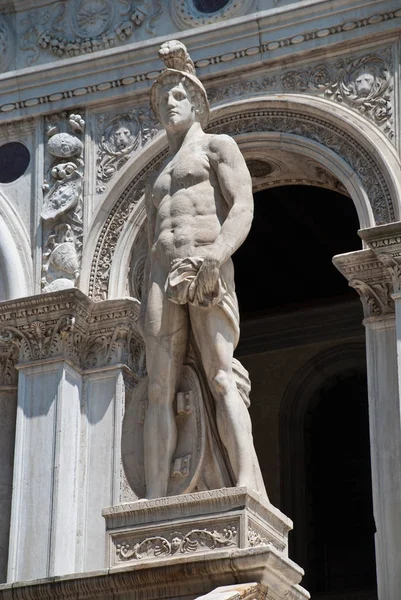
column 236, row 188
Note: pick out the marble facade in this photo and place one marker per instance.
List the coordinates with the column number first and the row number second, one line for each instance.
column 311, row 96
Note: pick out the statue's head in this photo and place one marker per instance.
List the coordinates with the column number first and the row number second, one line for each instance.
column 178, row 84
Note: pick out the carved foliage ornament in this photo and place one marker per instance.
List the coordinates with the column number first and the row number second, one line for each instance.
column 41, row 339
column 70, row 326
column 364, row 83
column 6, row 44
column 178, row 543
column 121, row 136
column 62, row 203
column 79, row 27
column 306, row 126
column 9, row 351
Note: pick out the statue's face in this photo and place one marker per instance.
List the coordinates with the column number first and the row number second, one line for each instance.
column 175, row 107
column 364, row 84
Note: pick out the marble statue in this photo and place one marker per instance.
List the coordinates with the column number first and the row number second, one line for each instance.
column 199, row 211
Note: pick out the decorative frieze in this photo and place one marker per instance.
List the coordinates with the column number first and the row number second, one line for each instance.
column 69, row 29
column 35, row 22
column 364, row 82
column 178, row 542
column 119, row 137
column 7, row 44
column 62, row 203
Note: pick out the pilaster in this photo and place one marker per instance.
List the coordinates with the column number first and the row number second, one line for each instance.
column 375, row 274
column 8, row 410
column 74, row 358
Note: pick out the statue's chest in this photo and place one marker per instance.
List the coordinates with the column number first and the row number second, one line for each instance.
column 185, row 170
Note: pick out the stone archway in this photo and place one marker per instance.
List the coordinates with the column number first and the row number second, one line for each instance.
column 360, row 157
column 16, row 269
column 352, row 149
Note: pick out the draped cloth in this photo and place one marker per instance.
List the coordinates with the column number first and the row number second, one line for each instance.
column 180, row 287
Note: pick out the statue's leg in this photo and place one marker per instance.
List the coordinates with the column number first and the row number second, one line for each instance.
column 166, row 334
column 215, row 338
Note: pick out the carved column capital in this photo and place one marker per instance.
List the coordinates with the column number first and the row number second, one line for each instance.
column 385, row 242
column 67, row 325
column 370, row 278
column 375, row 272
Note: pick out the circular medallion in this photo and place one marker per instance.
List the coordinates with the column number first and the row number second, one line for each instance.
column 14, row 161
column 92, row 18
column 193, row 13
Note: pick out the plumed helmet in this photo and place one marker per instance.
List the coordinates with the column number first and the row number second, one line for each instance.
column 180, row 69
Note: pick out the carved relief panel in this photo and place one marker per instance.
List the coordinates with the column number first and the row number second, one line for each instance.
column 119, row 136
column 62, row 203
column 363, row 82
column 76, row 27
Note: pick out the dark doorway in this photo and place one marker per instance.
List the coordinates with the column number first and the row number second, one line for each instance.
column 284, row 268
column 285, row 261
column 340, row 535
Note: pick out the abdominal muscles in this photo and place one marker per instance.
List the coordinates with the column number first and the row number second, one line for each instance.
column 182, row 233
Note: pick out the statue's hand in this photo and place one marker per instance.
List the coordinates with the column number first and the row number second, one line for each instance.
column 207, row 283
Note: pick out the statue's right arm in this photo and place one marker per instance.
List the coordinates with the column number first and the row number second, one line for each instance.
column 150, row 225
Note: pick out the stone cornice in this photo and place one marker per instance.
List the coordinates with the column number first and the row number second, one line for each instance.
column 273, row 34
column 68, row 325
column 169, row 577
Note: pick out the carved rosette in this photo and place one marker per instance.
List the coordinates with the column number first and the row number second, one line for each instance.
column 62, row 202
column 120, row 137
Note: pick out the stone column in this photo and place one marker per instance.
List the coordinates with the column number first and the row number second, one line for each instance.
column 44, row 535
column 109, row 375
column 73, row 355
column 369, row 273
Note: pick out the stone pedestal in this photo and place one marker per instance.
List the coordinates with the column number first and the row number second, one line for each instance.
column 240, row 537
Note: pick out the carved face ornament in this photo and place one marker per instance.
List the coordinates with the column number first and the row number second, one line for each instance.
column 364, row 84
column 123, row 138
